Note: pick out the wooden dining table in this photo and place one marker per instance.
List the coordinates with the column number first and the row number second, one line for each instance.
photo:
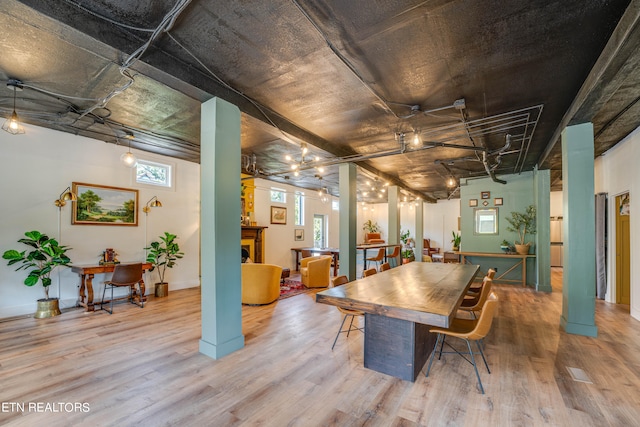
column 400, row 306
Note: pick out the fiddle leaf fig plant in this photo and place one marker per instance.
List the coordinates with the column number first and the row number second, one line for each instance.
column 370, row 226
column 163, row 254
column 45, row 255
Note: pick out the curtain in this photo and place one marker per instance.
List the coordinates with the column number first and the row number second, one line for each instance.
column 601, row 245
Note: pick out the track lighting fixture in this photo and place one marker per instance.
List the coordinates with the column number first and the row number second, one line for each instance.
column 12, row 125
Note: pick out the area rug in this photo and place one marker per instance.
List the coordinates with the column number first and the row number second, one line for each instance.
column 292, row 288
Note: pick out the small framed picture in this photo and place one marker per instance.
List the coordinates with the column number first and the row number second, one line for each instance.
column 298, row 234
column 485, row 195
column 473, row 202
column 278, row 215
column 497, row 201
column 485, row 203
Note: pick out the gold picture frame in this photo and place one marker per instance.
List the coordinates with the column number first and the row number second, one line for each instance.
column 104, row 205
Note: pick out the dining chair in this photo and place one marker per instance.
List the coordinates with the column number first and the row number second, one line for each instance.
column 385, row 266
column 476, row 289
column 337, row 281
column 369, row 272
column 305, row 253
column 378, row 258
column 124, row 275
column 467, row 330
column 475, row 303
column 394, row 257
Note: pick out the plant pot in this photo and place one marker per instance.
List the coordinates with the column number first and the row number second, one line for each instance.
column 523, row 249
column 456, row 248
column 47, row 308
column 162, row 290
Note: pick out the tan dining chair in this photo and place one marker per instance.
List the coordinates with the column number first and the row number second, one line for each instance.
column 337, row 281
column 475, row 303
column 385, row 266
column 467, row 330
column 378, row 258
column 124, row 275
column 394, row 257
column 473, row 290
column 369, row 272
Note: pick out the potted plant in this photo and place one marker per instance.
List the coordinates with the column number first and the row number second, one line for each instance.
column 45, row 255
column 163, row 255
column 407, row 253
column 505, row 246
column 370, row 226
column 523, row 223
column 456, row 240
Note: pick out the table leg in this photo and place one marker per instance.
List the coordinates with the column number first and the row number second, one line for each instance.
column 297, row 260
column 143, row 297
column 524, row 271
column 90, row 304
column 335, row 264
column 81, row 301
column 364, row 256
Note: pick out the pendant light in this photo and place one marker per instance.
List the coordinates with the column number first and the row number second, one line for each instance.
column 128, row 159
column 12, row 124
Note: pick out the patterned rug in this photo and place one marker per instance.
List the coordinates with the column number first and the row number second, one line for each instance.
column 291, row 288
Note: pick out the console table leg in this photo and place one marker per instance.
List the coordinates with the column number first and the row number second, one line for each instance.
column 90, row 304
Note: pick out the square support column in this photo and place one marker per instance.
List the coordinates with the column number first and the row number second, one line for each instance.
column 419, row 230
column 542, row 190
column 393, row 195
column 347, row 176
column 579, row 275
column 221, row 291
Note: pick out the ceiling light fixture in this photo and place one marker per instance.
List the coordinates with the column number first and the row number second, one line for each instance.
column 296, row 166
column 128, row 159
column 12, row 125
column 416, row 138
column 324, row 195
column 66, row 196
column 451, row 182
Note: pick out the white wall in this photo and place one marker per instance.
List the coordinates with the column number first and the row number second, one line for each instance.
column 279, row 238
column 617, row 172
column 36, row 167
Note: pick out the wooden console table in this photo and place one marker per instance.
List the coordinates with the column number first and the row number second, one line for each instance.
column 521, row 261
column 86, row 273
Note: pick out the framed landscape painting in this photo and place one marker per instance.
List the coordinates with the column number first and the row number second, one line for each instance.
column 104, row 205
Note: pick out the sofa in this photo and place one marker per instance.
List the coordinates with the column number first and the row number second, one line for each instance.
column 373, row 238
column 260, row 283
column 315, row 271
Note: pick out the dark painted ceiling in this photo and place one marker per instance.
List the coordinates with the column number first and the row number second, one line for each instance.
column 350, row 80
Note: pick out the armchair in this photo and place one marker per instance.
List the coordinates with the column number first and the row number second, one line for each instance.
column 373, row 238
column 260, row 283
column 315, row 271
column 427, row 249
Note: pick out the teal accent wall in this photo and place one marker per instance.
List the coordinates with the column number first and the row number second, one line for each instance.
column 516, row 194
column 221, row 291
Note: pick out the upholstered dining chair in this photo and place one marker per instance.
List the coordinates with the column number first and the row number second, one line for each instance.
column 369, row 272
column 337, row 281
column 385, row 266
column 475, row 303
column 378, row 258
column 491, row 273
column 124, row 275
column 467, row 330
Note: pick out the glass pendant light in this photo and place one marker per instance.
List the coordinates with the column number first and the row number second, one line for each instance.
column 12, row 124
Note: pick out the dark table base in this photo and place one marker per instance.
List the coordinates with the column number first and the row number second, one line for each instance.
column 396, row 347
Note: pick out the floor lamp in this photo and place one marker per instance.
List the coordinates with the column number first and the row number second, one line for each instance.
column 66, row 196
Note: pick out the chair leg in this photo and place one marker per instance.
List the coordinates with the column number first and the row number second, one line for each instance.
column 475, row 367
column 433, row 353
column 442, row 346
column 339, row 330
column 111, row 312
column 350, row 326
column 482, row 354
column 104, row 290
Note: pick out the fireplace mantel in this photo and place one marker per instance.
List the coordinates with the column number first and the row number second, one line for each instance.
column 256, row 234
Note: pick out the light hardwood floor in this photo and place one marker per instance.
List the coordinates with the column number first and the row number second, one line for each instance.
column 142, row 367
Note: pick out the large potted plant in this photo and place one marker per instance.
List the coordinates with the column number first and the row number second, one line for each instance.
column 407, row 252
column 45, row 255
column 163, row 255
column 523, row 223
column 456, row 240
column 370, row 226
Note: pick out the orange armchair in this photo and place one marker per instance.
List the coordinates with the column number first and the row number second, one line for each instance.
column 373, row 238
column 427, row 249
column 315, row 271
column 260, row 283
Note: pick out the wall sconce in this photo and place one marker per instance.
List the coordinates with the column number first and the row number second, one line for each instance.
column 128, row 159
column 153, row 203
column 12, row 124
column 66, row 196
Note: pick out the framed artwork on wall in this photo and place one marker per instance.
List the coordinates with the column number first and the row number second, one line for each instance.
column 104, row 205
column 497, row 201
column 298, row 234
column 278, row 215
column 485, row 195
column 473, row 202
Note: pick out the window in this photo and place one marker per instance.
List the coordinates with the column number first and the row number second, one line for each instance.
column 319, row 231
column 299, row 208
column 278, row 195
column 153, row 173
column 335, row 205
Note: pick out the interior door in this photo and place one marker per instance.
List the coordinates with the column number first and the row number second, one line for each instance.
column 319, row 231
column 623, row 261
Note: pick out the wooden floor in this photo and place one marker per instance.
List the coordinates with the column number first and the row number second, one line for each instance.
column 141, row 367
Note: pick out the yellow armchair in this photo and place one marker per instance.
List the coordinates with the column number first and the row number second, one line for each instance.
column 260, row 283
column 315, row 271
